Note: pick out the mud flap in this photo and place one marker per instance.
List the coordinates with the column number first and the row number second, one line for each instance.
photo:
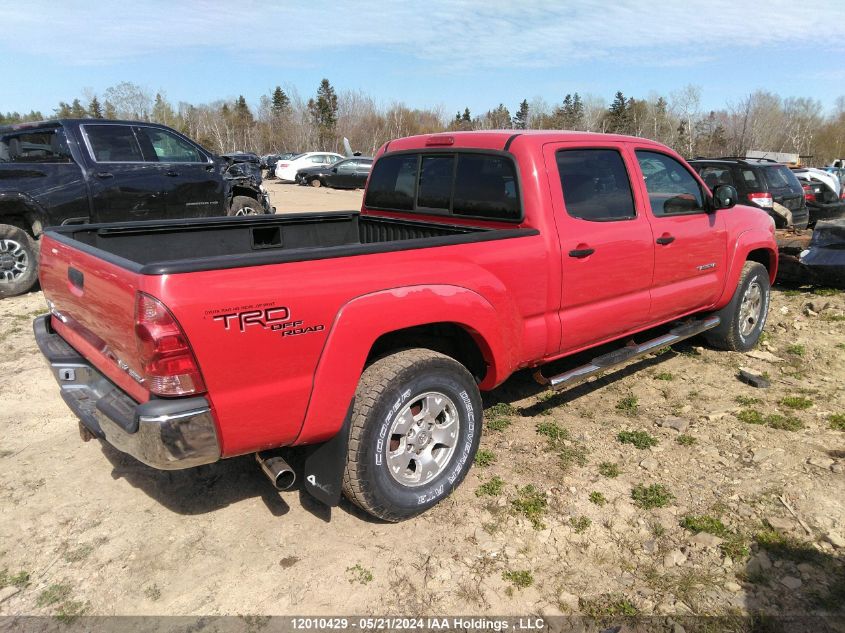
column 325, row 463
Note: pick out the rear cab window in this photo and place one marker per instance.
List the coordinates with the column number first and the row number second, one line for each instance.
column 47, row 145
column 459, row 183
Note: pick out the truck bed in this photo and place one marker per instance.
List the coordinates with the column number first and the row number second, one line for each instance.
column 178, row 246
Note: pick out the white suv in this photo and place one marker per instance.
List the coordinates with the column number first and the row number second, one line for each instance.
column 286, row 169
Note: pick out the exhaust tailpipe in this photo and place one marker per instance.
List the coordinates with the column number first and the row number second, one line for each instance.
column 278, row 471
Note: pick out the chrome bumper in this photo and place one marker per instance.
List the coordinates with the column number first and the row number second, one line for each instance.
column 164, row 434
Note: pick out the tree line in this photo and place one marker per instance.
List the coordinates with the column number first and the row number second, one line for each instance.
column 284, row 121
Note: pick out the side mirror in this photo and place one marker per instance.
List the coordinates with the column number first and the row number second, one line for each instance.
column 724, row 197
column 334, row 170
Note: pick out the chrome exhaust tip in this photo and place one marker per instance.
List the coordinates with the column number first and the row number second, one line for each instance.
column 278, row 471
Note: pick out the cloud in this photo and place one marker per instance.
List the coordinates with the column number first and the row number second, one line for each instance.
column 460, row 35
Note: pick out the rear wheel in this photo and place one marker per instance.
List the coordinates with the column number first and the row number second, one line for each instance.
column 416, row 425
column 316, row 183
column 244, row 205
column 18, row 261
column 744, row 317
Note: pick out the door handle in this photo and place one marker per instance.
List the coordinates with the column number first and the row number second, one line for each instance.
column 171, row 173
column 665, row 239
column 581, row 253
column 104, row 174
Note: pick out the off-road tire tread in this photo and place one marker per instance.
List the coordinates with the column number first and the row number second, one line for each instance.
column 728, row 338
column 375, row 379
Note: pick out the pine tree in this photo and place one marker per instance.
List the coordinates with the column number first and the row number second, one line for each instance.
column 63, row 111
column 280, row 101
column 109, row 110
column 323, row 110
column 520, row 120
column 77, row 111
column 616, row 117
column 242, row 112
column 94, row 108
column 162, row 111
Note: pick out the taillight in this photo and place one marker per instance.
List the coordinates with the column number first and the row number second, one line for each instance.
column 167, row 362
column 809, row 196
column 283, row 165
column 762, row 199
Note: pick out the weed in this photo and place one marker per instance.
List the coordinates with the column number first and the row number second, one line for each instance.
column 580, row 524
column 492, row 488
column 532, row 504
column 598, row 498
column 792, row 292
column 552, row 431
column 788, row 547
column 359, row 574
column 664, row 375
column 685, row 440
column 840, row 346
column 747, row 401
column 80, row 553
column 735, row 547
column 704, row 523
column 653, row 496
column 53, row 594
column 657, row 530
column 750, row 416
column 837, row 421
column 498, row 424
column 609, row 470
column 501, row 409
column 484, row 457
column 607, row 605
column 826, row 292
column 153, row 592
column 640, row 439
column 836, row 318
column 575, row 453
column 784, row 423
column 796, row 350
column 796, row 402
column 629, row 405
column 19, row 580
column 70, row 610
column 519, row 579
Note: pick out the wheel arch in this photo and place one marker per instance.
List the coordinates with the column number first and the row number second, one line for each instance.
column 21, row 211
column 751, row 245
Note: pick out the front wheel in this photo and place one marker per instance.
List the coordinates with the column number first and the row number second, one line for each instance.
column 744, row 317
column 18, row 261
column 316, row 182
column 416, row 425
column 244, row 205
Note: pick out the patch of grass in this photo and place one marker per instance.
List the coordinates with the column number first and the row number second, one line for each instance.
column 580, row 524
column 53, row 594
column 492, row 488
column 735, row 546
column 70, row 610
column 750, row 416
column 826, row 292
column 653, row 496
column 640, row 439
column 796, row 350
column 574, row 454
column 598, row 498
column 796, row 402
column 657, row 530
column 685, row 440
column 792, row 292
column 498, row 424
column 784, row 422
column 484, row 457
column 840, row 346
column 80, row 553
column 552, row 431
column 836, row 318
column 609, row 470
column 532, row 504
column 836, row 421
column 607, row 605
column 502, row 408
column 359, row 574
column 19, row 580
column 747, row 401
column 520, row 579
column 788, row 547
column 153, row 592
column 704, row 523
column 629, row 405
column 664, row 375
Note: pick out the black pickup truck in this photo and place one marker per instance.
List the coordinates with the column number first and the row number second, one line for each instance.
column 74, row 171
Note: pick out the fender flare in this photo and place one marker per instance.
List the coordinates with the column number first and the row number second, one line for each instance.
column 354, row 332
column 34, row 214
column 747, row 241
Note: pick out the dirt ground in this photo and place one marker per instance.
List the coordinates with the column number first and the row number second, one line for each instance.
column 760, row 472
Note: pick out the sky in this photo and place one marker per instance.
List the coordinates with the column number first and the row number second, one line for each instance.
column 451, row 54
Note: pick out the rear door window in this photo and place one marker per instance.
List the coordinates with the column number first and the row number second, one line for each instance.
column 113, row 144
column 672, row 190
column 595, row 185
column 35, row 146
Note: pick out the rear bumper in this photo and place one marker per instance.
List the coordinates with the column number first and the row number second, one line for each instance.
column 164, row 434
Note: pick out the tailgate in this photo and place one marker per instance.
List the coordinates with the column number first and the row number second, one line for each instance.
column 93, row 305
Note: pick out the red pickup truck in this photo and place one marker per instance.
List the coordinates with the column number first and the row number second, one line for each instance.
column 367, row 337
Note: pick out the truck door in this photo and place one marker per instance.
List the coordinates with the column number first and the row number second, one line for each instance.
column 124, row 186
column 607, row 248
column 193, row 183
column 690, row 241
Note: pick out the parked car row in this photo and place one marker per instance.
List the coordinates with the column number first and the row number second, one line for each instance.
column 350, row 173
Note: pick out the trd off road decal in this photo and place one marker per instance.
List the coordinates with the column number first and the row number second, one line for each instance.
column 265, row 316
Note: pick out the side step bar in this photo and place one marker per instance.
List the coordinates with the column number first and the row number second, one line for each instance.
column 631, row 351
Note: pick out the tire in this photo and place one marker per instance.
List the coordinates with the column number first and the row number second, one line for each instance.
column 744, row 318
column 401, row 387
column 244, row 205
column 18, row 261
column 316, row 182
